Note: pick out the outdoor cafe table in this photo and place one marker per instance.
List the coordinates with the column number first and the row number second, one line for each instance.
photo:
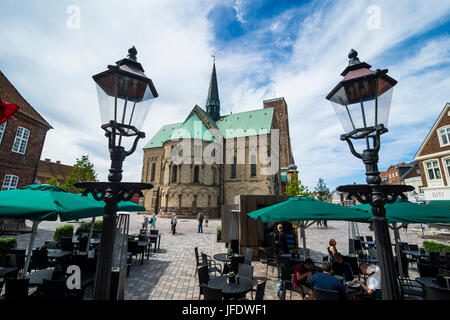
column 58, row 253
column 430, row 282
column 37, row 278
column 231, row 289
column 222, row 257
column 4, row 271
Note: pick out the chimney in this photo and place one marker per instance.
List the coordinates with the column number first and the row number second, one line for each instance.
column 58, row 162
column 47, row 160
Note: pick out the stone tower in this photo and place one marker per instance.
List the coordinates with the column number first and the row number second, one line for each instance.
column 212, row 101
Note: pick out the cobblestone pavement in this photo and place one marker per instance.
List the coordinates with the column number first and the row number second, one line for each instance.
column 169, row 273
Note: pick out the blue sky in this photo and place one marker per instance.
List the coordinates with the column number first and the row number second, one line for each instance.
column 294, row 49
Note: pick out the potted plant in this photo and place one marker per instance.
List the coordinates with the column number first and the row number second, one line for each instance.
column 219, row 234
column 293, row 253
column 230, row 252
column 58, row 273
column 231, row 277
column 360, row 254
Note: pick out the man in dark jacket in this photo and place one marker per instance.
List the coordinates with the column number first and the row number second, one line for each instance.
column 282, row 240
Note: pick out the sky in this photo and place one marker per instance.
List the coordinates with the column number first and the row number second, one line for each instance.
column 264, row 49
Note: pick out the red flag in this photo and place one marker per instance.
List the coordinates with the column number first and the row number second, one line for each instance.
column 6, row 110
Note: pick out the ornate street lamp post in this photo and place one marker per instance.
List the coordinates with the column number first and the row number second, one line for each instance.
column 362, row 102
column 125, row 95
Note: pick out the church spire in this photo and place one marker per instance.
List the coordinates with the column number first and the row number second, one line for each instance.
column 212, row 101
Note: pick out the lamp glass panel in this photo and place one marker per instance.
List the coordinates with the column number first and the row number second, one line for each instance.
column 384, row 107
column 124, row 99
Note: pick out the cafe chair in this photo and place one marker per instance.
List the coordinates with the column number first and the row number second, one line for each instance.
column 435, row 293
column 260, row 289
column 372, row 253
column 246, row 271
column 410, row 289
column 16, row 289
column 212, row 265
column 248, row 256
column 322, row 294
column 267, row 257
column 53, row 289
column 211, row 293
column 203, row 278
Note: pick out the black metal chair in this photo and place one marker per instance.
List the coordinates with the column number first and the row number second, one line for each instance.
column 211, row 293
column 203, row 278
column 435, row 293
column 133, row 249
column 260, row 289
column 212, row 265
column 16, row 289
column 153, row 231
column 353, row 262
column 434, row 259
column 248, row 256
column 267, row 257
column 426, row 270
column 246, row 271
column 39, row 260
column 322, row 294
column 53, row 289
column 66, row 244
column 410, row 289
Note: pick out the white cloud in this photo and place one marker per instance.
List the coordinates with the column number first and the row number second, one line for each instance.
column 239, row 11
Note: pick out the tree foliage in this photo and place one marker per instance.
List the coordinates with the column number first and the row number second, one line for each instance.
column 295, row 188
column 323, row 193
column 52, row 181
column 83, row 170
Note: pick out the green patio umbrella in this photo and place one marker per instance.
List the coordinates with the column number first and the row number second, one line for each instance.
column 403, row 211
column 47, row 202
column 303, row 209
column 307, row 208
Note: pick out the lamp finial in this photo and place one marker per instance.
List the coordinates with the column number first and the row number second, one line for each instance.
column 132, row 52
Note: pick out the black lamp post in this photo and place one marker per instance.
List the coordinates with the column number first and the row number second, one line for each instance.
column 362, row 102
column 125, row 95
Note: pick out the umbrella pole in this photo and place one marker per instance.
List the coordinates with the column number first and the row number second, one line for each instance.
column 30, row 248
column 302, row 233
column 90, row 235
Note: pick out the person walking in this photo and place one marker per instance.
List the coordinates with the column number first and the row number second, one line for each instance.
column 200, row 223
column 206, row 220
column 145, row 224
column 174, row 224
column 153, row 222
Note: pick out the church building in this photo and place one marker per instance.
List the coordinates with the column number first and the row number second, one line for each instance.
column 209, row 159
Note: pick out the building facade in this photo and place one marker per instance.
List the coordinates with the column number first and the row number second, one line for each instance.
column 433, row 158
column 48, row 169
column 405, row 173
column 210, row 159
column 21, row 142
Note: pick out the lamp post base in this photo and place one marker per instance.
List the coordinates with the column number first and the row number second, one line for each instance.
column 112, row 193
column 377, row 196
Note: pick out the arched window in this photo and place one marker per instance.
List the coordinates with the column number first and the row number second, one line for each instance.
column 153, row 172
column 174, row 173
column 196, row 171
column 253, row 166
column 233, row 168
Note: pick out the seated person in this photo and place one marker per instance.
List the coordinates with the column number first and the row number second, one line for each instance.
column 341, row 268
column 301, row 273
column 373, row 281
column 326, row 281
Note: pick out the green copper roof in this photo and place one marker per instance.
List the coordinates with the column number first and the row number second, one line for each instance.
column 192, row 128
column 245, row 124
column 162, row 136
column 236, row 125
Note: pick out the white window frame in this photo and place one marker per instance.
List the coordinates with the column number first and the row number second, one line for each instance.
column 10, row 185
column 447, row 171
column 2, row 130
column 447, row 129
column 433, row 182
column 21, row 141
